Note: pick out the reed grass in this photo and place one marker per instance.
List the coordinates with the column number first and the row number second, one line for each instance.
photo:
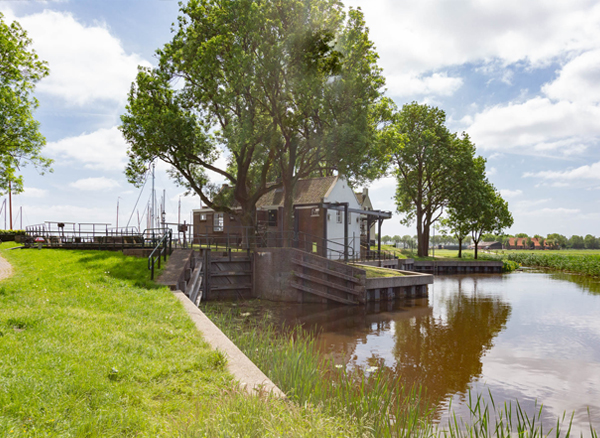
column 376, row 402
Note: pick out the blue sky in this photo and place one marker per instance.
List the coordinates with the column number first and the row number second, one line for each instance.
column 522, row 78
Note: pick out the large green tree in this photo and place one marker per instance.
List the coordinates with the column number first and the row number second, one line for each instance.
column 20, row 139
column 426, row 159
column 285, row 89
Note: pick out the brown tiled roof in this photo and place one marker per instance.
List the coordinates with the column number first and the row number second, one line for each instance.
column 307, row 191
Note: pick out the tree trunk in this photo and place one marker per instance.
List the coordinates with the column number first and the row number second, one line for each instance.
column 460, row 240
column 476, row 247
column 288, row 211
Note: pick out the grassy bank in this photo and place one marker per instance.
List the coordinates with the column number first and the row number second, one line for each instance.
column 586, row 264
column 89, row 347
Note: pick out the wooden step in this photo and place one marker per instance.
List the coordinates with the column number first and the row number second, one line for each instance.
column 214, row 288
column 321, row 268
column 321, row 294
column 229, row 273
column 330, row 284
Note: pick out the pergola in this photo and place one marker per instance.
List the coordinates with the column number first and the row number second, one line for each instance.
column 372, row 216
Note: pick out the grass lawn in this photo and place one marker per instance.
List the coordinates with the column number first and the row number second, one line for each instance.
column 377, row 272
column 89, row 347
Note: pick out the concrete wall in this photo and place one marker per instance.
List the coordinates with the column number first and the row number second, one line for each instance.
column 272, row 275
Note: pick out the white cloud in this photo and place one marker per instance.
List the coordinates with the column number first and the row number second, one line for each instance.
column 95, row 184
column 439, row 84
column 428, row 35
column 491, row 172
column 32, row 192
column 104, row 149
column 537, row 126
column 559, row 211
column 507, row 194
column 86, row 63
column 587, row 172
column 578, row 81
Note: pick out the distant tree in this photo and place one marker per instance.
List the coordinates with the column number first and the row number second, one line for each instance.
column 576, row 242
column 542, row 242
column 523, row 235
column 20, row 139
column 397, row 239
column 559, row 241
column 386, row 239
column 591, row 242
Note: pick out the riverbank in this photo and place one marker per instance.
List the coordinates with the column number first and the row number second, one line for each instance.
column 90, row 347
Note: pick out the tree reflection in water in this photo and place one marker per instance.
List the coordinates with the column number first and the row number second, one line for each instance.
column 443, row 352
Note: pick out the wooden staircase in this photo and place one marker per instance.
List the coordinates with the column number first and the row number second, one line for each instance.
column 229, row 275
column 327, row 279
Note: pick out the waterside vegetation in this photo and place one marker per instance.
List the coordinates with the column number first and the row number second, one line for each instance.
column 375, row 401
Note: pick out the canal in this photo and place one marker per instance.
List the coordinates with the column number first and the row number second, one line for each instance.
column 527, row 336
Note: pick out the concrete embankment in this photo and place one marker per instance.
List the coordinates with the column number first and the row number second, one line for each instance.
column 242, row 368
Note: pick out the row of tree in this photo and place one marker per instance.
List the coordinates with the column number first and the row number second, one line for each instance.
column 554, row 240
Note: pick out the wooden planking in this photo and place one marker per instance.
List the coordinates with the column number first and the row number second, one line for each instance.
column 326, row 271
column 329, row 284
column 322, row 294
column 231, row 273
column 230, row 286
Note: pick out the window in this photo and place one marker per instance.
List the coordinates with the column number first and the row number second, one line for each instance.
column 314, row 212
column 338, row 216
column 218, row 222
column 202, row 217
column 272, row 218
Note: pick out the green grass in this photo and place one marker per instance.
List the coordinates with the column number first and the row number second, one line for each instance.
column 377, row 272
column 89, row 347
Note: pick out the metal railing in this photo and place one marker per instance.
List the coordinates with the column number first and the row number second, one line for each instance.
column 162, row 249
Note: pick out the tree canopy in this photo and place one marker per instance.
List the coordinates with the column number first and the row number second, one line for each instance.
column 20, row 139
column 285, row 89
column 426, row 158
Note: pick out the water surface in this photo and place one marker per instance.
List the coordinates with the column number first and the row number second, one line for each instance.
column 527, row 336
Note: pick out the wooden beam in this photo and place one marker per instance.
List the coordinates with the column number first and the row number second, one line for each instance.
column 322, row 294
column 331, row 284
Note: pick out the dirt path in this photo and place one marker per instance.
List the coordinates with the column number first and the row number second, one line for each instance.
column 6, row 269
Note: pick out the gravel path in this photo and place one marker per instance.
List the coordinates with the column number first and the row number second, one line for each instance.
column 6, row 269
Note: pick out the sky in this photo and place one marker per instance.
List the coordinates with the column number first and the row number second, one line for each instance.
column 521, row 78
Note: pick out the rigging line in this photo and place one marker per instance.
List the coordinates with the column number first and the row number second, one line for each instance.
column 138, row 200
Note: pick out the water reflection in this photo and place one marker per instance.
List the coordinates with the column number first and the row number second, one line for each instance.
column 526, row 336
column 444, row 352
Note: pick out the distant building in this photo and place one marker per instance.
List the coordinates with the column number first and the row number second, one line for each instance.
column 522, row 243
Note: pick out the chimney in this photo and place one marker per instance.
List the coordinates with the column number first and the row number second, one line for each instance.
column 365, row 192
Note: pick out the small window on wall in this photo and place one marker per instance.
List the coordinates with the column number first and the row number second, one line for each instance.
column 202, row 217
column 218, row 222
column 314, row 212
column 272, row 219
column 349, row 219
column 338, row 216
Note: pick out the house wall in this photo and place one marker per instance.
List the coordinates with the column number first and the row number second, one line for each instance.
column 341, row 192
column 204, row 230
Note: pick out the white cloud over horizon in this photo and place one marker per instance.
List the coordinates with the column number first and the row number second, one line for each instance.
column 95, row 184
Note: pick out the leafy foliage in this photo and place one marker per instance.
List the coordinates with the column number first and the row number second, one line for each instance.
column 20, row 139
